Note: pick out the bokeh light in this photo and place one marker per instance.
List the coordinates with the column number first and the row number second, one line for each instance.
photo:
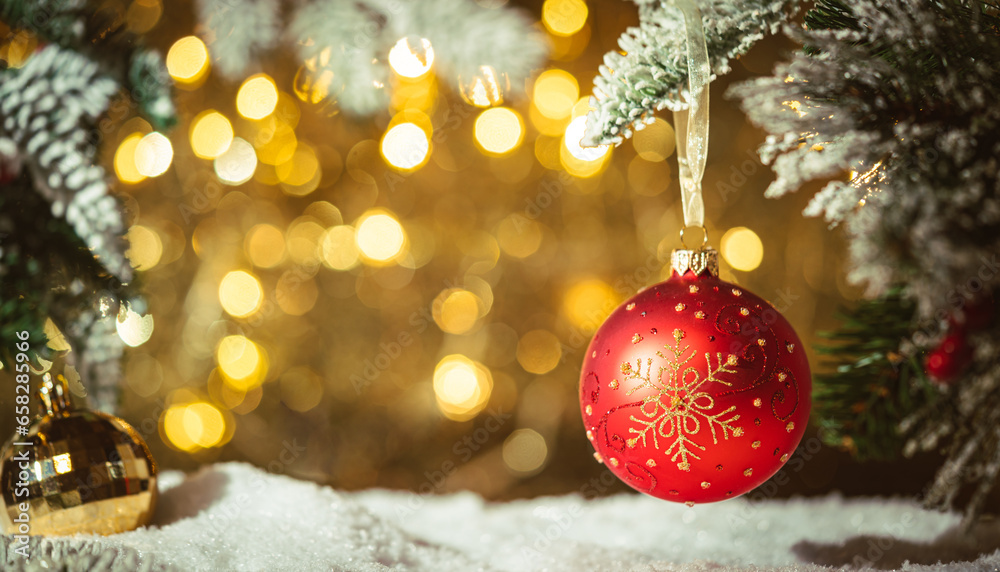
column 525, row 451
column 519, row 236
column 742, row 248
column 240, row 294
column 143, row 15
column 153, row 155
column 135, row 329
column 484, row 89
column 193, row 426
column 539, row 351
column 145, row 247
column 555, row 93
column 257, row 97
column 499, row 130
column 301, row 389
column 407, row 62
column 211, row 134
column 405, row 146
column 456, row 310
column 579, row 161
column 125, row 166
column 340, row 248
column 564, row 17
column 187, row 60
column 588, row 303
column 237, row 164
column 265, row 245
column 574, row 134
column 241, row 361
column 462, row 387
column 380, row 237
column 300, row 173
column 655, row 141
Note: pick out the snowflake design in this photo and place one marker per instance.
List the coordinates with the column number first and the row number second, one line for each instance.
column 681, row 405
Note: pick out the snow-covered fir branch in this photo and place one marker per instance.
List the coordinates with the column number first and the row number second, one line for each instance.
column 908, row 102
column 49, row 109
column 347, row 43
column 652, row 73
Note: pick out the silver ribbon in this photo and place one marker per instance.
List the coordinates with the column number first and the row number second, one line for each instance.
column 691, row 124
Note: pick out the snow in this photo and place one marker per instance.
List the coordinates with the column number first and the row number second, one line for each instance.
column 237, row 517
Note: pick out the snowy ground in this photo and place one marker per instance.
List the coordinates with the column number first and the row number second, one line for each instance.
column 236, row 517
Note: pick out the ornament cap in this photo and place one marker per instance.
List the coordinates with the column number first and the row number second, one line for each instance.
column 701, row 261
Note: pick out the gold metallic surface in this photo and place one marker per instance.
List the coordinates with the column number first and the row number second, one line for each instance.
column 85, row 472
column 697, row 261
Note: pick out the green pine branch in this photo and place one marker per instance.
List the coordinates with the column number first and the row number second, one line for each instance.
column 872, row 385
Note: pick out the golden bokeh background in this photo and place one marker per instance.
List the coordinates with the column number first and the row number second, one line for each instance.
column 415, row 290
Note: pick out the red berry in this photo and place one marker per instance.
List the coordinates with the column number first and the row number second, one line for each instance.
column 949, row 359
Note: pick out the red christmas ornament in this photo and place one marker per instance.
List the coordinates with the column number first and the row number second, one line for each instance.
column 950, row 358
column 695, row 390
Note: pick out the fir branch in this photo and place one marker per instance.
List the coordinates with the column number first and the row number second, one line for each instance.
column 49, row 109
column 652, row 73
column 46, row 271
column 466, row 36
column 341, row 54
column 239, row 32
column 873, row 383
column 99, row 32
column 344, row 46
column 904, row 95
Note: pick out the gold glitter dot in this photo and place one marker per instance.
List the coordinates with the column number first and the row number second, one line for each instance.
column 747, row 472
column 744, row 312
column 790, row 347
column 790, row 427
column 755, row 444
column 678, row 335
column 756, row 421
column 673, row 492
column 613, row 461
column 626, row 368
column 590, row 434
column 700, row 315
column 636, row 338
column 630, row 306
column 782, row 377
column 650, row 463
column 718, row 467
column 757, row 402
column 693, row 289
column 705, row 484
column 684, row 466
column 737, row 292
column 761, row 342
column 613, row 384
column 689, row 503
column 784, row 457
column 593, row 354
column 680, row 307
column 597, row 456
column 738, row 432
column 732, row 359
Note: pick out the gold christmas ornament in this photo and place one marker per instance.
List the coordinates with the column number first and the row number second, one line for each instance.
column 76, row 471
